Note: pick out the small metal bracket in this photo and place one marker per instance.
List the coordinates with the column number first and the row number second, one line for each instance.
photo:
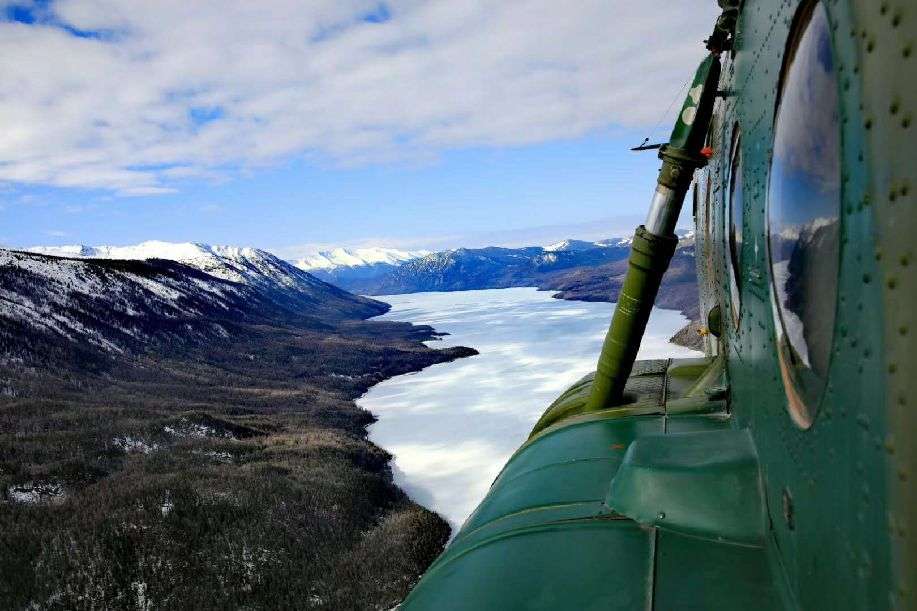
column 648, row 147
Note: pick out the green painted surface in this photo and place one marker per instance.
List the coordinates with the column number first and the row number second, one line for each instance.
column 704, row 484
column 522, row 570
column 693, row 575
column 643, row 392
column 649, row 258
column 841, row 496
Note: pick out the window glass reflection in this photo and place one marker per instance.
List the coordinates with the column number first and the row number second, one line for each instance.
column 736, row 202
column 803, row 214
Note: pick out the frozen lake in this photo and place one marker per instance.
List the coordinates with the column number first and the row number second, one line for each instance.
column 451, row 427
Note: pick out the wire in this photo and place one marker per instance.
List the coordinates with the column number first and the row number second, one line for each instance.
column 681, row 93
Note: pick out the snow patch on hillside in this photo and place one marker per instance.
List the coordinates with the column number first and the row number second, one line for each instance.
column 357, row 257
column 65, row 296
column 251, row 266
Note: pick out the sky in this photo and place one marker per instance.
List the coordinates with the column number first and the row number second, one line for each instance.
column 298, row 125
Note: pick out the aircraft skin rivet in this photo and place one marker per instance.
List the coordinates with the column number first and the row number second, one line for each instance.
column 889, row 445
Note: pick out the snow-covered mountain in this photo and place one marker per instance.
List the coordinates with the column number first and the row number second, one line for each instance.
column 112, row 305
column 570, row 245
column 259, row 269
column 463, row 269
column 52, row 305
column 236, row 264
column 357, row 257
column 347, row 267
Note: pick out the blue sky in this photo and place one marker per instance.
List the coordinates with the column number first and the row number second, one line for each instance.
column 307, row 125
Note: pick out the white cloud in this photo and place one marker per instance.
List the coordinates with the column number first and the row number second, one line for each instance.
column 168, row 89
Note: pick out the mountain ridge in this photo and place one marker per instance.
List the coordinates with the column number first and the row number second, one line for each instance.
column 275, row 278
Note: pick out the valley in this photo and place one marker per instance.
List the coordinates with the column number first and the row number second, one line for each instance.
column 170, row 437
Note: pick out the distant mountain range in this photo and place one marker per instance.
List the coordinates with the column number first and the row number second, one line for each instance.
column 321, row 285
column 578, row 269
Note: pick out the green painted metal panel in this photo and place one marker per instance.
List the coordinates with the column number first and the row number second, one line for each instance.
column 840, row 500
column 587, row 439
column 692, row 575
column 584, row 565
column 571, row 482
column 535, row 516
column 706, row 484
column 645, row 388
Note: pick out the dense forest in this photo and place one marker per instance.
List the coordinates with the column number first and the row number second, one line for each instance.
column 213, row 457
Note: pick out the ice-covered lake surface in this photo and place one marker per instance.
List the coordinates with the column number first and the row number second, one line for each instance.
column 452, row 427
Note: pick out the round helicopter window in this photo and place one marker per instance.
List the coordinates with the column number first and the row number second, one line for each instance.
column 735, row 229
column 803, row 213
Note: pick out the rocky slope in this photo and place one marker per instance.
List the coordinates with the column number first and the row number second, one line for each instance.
column 173, row 438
